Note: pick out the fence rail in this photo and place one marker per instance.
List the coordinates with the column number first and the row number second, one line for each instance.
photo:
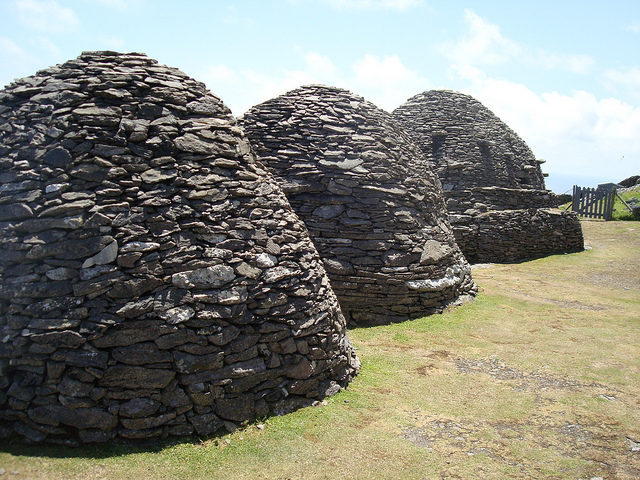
column 593, row 202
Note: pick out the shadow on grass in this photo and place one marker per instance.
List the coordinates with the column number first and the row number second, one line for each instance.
column 115, row 448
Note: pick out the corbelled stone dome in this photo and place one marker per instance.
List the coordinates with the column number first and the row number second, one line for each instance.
column 493, row 184
column 467, row 145
column 371, row 204
column 154, row 279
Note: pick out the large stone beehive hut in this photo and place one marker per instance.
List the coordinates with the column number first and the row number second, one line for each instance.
column 372, row 206
column 493, row 184
column 154, row 280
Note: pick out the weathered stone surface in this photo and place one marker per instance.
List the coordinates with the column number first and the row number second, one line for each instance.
column 147, row 422
column 136, row 308
column 107, row 255
column 136, row 228
column 368, row 199
column 84, row 418
column 187, row 363
column 82, row 358
column 236, row 408
column 206, row 424
column 155, row 175
column 140, row 354
column 71, row 249
column 178, row 315
column 136, row 377
column 15, row 211
column 139, row 407
column 66, row 338
column 209, row 277
column 61, row 273
column 489, row 176
column 57, row 158
column 131, row 336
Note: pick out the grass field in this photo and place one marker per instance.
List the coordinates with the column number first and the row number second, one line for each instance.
column 620, row 212
column 537, row 378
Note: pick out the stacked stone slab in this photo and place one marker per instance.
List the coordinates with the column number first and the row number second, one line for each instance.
column 493, row 184
column 372, row 206
column 154, row 280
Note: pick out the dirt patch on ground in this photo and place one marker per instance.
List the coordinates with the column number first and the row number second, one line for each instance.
column 622, row 279
column 608, row 451
column 571, row 304
column 551, row 429
column 531, row 381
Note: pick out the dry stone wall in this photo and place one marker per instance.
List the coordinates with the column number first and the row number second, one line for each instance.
column 372, row 206
column 490, row 178
column 154, row 280
column 517, row 234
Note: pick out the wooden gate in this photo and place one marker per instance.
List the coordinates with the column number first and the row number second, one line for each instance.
column 594, row 202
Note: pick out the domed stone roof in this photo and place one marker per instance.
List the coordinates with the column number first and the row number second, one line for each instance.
column 492, row 182
column 371, row 204
column 154, row 280
column 466, row 144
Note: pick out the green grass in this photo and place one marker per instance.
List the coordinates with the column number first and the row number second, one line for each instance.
column 539, row 377
column 620, row 211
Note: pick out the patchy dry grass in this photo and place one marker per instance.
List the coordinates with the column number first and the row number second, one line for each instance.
column 538, row 378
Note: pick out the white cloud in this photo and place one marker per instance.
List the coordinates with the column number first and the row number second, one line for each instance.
column 111, row 42
column 580, row 64
column 10, row 48
column 117, row 4
column 45, row 15
column 15, row 59
column 630, row 77
column 628, row 80
column 633, row 27
column 577, row 134
column 397, row 5
column 234, row 17
column 319, row 64
column 45, row 44
column 484, row 44
column 387, row 82
column 216, row 73
column 241, row 89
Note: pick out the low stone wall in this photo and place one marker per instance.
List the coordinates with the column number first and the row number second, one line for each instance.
column 507, row 236
column 154, row 280
column 483, row 199
column 371, row 204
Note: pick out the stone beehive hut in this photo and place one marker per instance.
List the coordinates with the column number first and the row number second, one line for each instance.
column 154, row 280
column 372, row 206
column 493, row 184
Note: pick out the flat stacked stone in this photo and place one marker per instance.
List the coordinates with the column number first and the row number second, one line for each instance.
column 492, row 182
column 154, row 280
column 371, row 204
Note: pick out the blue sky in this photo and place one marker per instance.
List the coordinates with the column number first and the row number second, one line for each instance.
column 565, row 75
